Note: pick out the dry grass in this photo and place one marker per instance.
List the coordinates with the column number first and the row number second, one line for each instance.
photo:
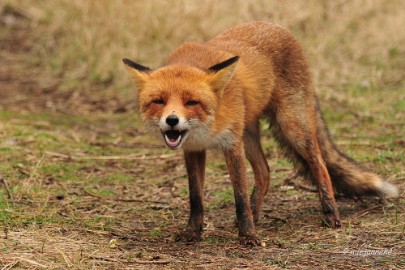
column 82, row 187
column 348, row 42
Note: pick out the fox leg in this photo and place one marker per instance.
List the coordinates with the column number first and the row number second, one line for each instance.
column 235, row 160
column 294, row 126
column 261, row 170
column 324, row 183
column 195, row 165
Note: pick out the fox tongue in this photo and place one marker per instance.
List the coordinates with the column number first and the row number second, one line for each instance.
column 173, row 139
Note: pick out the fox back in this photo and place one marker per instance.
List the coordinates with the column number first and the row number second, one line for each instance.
column 213, row 101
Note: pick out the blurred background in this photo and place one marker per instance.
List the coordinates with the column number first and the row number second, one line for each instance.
column 65, row 55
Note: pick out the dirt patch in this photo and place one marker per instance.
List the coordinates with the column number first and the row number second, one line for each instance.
column 100, row 195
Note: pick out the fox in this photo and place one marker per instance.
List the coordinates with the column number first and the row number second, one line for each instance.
column 212, row 95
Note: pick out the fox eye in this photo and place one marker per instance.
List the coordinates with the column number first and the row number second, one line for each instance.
column 158, row 101
column 192, row 102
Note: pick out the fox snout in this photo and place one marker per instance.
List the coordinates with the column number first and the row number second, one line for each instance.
column 172, row 120
column 174, row 131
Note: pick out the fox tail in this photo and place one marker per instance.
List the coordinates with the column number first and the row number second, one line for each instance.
column 348, row 177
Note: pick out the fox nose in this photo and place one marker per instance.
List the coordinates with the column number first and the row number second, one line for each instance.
column 172, row 120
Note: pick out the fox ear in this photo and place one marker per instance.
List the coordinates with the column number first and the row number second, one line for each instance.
column 139, row 73
column 221, row 73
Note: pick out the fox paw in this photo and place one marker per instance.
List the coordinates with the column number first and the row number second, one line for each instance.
column 188, row 236
column 332, row 221
column 250, row 240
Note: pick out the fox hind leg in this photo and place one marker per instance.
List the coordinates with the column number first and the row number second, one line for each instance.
column 261, row 170
column 294, row 125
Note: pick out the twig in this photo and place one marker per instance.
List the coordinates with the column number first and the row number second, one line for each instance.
column 365, row 211
column 21, row 168
column 122, row 200
column 34, row 170
column 294, row 175
column 10, row 265
column 282, row 169
column 31, row 262
column 124, row 157
column 60, row 155
column 128, row 145
column 130, row 261
column 290, row 181
column 150, row 262
column 179, row 177
column 305, row 188
column 65, row 257
column 139, row 200
column 6, row 187
column 98, row 232
column 94, row 195
column 31, row 123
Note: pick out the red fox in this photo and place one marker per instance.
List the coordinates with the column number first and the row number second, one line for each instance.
column 212, row 95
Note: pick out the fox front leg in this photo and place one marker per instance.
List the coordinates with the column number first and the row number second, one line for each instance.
column 195, row 165
column 235, row 159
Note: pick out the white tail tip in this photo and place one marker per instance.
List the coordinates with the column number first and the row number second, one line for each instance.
column 387, row 190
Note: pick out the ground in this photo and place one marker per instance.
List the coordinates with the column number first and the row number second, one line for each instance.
column 82, row 186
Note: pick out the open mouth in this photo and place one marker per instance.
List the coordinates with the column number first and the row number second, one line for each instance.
column 174, row 138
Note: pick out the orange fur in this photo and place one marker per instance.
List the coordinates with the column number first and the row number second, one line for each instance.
column 207, row 97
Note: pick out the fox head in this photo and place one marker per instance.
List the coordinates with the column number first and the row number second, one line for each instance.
column 178, row 102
